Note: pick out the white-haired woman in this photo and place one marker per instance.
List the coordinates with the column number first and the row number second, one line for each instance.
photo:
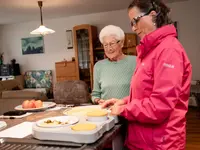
column 112, row 75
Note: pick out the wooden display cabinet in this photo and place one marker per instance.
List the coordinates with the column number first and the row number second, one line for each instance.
column 85, row 37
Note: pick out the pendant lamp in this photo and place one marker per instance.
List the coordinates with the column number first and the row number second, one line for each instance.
column 42, row 30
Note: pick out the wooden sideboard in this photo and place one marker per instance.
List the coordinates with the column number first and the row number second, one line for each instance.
column 66, row 70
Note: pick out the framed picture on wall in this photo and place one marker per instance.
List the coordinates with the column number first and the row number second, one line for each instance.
column 32, row 45
column 69, row 39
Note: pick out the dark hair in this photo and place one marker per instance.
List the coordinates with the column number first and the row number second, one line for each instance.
column 161, row 9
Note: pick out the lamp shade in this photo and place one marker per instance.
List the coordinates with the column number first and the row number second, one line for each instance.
column 42, row 30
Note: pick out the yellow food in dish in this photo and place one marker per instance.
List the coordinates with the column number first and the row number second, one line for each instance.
column 84, row 127
column 80, row 111
column 97, row 113
column 77, row 111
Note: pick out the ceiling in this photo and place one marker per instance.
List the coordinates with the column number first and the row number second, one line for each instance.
column 15, row 11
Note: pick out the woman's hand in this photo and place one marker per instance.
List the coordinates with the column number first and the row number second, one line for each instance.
column 99, row 101
column 116, row 110
column 110, row 102
column 120, row 102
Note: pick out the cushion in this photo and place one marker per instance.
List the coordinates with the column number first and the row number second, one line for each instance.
column 38, row 79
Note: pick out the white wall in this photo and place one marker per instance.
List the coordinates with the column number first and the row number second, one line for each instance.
column 187, row 15
column 55, row 44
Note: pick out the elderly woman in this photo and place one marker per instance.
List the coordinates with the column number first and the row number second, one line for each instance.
column 112, row 75
column 160, row 86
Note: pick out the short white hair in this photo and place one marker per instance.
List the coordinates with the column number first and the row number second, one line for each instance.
column 111, row 30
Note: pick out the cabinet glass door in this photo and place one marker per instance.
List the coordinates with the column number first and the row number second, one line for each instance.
column 83, row 55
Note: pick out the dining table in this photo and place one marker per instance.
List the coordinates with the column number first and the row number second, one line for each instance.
column 30, row 143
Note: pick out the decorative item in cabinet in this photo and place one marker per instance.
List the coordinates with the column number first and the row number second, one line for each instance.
column 84, row 40
column 130, row 40
column 99, row 55
column 130, row 51
column 66, row 70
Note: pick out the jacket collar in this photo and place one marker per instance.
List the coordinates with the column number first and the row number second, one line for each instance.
column 154, row 38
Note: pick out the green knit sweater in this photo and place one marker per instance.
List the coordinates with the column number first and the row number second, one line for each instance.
column 112, row 79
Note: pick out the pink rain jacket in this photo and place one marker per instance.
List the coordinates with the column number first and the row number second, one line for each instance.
column 159, row 93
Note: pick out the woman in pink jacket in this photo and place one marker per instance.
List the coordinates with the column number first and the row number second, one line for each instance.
column 160, row 85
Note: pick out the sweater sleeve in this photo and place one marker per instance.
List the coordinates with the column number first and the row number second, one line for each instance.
column 96, row 92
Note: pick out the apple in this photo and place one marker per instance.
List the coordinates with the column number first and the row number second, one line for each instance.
column 38, row 103
column 31, row 104
column 25, row 104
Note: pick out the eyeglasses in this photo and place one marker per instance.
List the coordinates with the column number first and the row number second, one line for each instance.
column 113, row 44
column 135, row 20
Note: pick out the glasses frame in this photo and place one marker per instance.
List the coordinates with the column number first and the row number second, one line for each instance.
column 109, row 44
column 135, row 20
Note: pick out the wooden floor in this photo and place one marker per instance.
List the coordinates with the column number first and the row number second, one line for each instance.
column 193, row 129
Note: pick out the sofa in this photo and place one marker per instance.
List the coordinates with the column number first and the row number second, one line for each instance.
column 31, row 85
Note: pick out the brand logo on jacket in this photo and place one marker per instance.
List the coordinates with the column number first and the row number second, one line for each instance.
column 168, row 65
